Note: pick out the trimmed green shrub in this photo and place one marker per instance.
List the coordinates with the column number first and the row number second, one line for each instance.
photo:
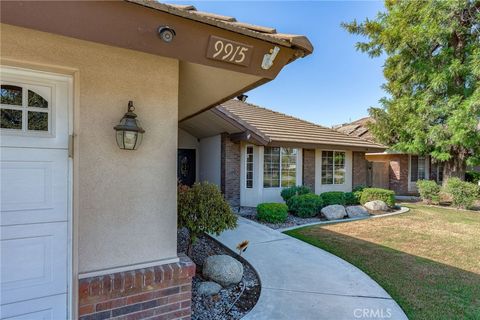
column 202, row 208
column 472, row 176
column 371, row 194
column 463, row 193
column 351, row 198
column 287, row 193
column 429, row 191
column 333, row 197
column 357, row 191
column 305, row 205
column 272, row 212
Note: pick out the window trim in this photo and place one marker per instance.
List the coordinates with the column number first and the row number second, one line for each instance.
column 333, row 173
column 280, row 167
column 50, row 110
column 246, row 166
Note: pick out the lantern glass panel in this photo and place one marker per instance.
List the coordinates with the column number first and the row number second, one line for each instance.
column 120, row 139
column 130, row 139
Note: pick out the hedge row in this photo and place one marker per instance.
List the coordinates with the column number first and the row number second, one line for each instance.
column 462, row 193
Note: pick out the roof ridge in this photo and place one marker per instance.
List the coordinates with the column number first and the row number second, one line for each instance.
column 302, row 120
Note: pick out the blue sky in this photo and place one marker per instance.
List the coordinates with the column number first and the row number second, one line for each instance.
column 336, row 83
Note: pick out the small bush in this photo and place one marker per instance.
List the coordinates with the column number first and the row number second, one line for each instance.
column 357, row 191
column 287, row 193
column 202, row 208
column 472, row 176
column 272, row 212
column 429, row 191
column 305, row 205
column 333, row 197
column 371, row 194
column 463, row 193
column 351, row 198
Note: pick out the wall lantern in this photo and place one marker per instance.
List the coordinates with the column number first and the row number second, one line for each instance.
column 129, row 131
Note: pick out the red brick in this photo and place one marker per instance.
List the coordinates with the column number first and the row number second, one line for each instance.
column 129, row 280
column 167, row 272
column 84, row 291
column 95, row 287
column 118, row 281
column 187, row 287
column 158, row 274
column 106, row 305
column 106, row 284
column 179, row 297
column 139, row 279
column 85, row 309
column 149, row 278
column 140, row 297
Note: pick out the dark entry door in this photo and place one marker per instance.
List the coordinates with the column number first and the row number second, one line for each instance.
column 186, row 166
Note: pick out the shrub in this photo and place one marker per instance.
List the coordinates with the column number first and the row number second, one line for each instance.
column 352, row 198
column 371, row 194
column 287, row 193
column 272, row 212
column 306, row 205
column 357, row 191
column 333, row 197
column 463, row 193
column 472, row 176
column 202, row 208
column 429, row 191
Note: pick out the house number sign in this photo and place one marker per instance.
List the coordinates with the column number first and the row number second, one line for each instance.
column 229, row 51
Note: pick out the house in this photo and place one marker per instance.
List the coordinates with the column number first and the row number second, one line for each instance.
column 252, row 153
column 393, row 170
column 88, row 229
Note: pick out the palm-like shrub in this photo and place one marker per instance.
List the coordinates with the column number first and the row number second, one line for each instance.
column 202, row 208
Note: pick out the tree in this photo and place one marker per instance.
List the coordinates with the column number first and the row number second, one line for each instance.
column 432, row 70
column 202, row 208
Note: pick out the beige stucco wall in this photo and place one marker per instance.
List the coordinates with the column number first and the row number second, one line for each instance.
column 126, row 200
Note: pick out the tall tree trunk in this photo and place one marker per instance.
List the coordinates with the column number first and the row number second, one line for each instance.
column 455, row 167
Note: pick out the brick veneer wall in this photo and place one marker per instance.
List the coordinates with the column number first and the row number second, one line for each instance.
column 398, row 174
column 230, row 170
column 160, row 292
column 360, row 169
column 309, row 168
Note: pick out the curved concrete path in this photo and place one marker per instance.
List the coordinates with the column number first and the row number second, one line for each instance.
column 300, row 281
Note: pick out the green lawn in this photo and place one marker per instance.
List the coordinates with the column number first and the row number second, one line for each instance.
column 428, row 259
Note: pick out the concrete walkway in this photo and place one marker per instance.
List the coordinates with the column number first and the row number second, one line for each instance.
column 300, row 281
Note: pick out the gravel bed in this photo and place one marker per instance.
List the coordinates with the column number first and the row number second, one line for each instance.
column 216, row 307
column 292, row 221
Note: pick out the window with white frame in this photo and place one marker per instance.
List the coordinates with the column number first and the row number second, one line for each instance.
column 279, row 167
column 23, row 109
column 417, row 168
column 249, row 167
column 333, row 167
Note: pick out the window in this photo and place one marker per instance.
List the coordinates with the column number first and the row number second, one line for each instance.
column 249, row 167
column 23, row 109
column 333, row 167
column 279, row 167
column 417, row 168
column 440, row 172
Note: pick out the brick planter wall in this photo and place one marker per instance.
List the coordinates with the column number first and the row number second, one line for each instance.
column 230, row 170
column 309, row 168
column 160, row 292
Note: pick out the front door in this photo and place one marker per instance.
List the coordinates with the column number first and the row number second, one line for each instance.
column 186, row 166
column 34, row 194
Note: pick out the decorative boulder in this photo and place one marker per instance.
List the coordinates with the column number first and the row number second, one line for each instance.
column 208, row 288
column 376, row 205
column 356, row 211
column 223, row 269
column 334, row 212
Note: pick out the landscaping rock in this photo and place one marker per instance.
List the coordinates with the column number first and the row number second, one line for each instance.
column 208, row 288
column 376, row 205
column 334, row 212
column 356, row 211
column 223, row 269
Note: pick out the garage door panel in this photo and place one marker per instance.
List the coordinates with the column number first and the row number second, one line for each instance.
column 33, row 185
column 49, row 308
column 33, row 261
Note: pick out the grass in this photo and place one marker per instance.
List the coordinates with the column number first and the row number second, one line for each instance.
column 428, row 259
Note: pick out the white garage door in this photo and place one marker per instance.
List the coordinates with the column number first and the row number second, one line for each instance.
column 34, row 194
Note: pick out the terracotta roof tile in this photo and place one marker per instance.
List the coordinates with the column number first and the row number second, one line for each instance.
column 278, row 127
column 268, row 34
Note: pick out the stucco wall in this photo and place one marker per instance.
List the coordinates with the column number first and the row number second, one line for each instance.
column 210, row 159
column 126, row 199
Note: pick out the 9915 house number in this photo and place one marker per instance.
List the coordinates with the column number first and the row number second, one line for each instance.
column 229, row 51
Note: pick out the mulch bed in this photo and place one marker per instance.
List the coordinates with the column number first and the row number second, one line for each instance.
column 221, row 306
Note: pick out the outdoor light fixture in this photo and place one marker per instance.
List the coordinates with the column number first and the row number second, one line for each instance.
column 129, row 132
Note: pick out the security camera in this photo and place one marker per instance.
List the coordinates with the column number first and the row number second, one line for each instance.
column 166, row 33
